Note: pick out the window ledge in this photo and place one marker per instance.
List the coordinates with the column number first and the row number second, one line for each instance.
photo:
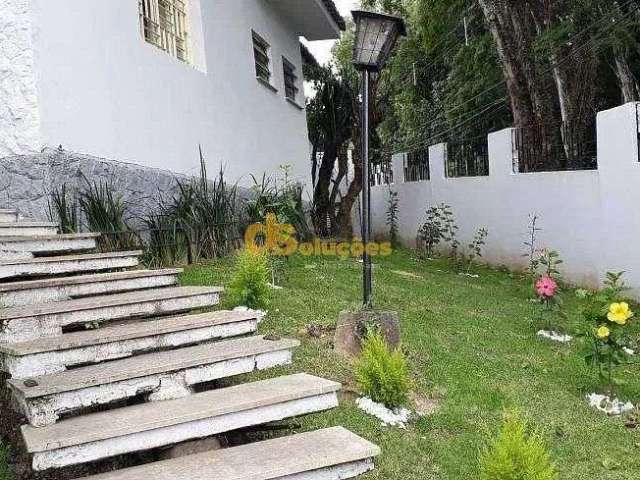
column 295, row 104
column 267, row 85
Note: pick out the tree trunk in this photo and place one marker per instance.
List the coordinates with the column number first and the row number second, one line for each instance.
column 321, row 199
column 499, row 21
column 628, row 81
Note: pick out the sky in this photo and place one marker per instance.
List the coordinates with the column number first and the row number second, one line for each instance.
column 322, row 49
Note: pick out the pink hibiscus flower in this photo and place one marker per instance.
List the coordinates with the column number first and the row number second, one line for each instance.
column 546, row 287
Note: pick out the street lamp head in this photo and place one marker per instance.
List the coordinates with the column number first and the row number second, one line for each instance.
column 376, row 36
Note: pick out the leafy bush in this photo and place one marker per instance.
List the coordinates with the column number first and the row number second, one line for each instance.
column 440, row 226
column 516, row 455
column 250, row 285
column 383, row 375
column 475, row 248
column 63, row 210
column 608, row 317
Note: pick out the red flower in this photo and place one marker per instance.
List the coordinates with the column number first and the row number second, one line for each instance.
column 546, row 287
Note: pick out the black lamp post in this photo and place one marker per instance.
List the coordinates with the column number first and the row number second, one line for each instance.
column 376, row 36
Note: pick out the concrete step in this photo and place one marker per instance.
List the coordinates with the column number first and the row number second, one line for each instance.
column 152, row 425
column 330, row 454
column 46, row 356
column 41, row 267
column 50, row 244
column 64, row 288
column 20, row 324
column 23, row 228
column 8, row 215
column 163, row 375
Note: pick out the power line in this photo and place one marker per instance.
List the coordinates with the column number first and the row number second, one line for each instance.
column 493, row 105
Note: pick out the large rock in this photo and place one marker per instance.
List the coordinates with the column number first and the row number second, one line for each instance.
column 353, row 326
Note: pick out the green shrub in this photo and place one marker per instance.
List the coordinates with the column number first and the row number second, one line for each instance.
column 383, row 375
column 516, row 455
column 250, row 285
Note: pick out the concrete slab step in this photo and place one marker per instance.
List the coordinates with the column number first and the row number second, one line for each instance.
column 64, row 288
column 42, row 267
column 8, row 215
column 20, row 324
column 24, row 228
column 163, row 375
column 53, row 355
column 50, row 244
column 330, row 454
column 152, row 425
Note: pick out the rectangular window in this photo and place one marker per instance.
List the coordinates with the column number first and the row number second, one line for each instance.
column 290, row 80
column 164, row 24
column 416, row 166
column 262, row 58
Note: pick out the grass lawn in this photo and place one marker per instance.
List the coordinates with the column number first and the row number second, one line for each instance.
column 472, row 345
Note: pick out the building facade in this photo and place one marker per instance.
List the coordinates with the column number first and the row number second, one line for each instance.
column 148, row 81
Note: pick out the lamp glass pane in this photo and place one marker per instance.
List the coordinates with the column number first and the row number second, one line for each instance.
column 373, row 39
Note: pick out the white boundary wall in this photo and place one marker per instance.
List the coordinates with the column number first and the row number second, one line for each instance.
column 591, row 217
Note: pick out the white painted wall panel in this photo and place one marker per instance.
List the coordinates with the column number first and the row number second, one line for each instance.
column 102, row 90
column 590, row 217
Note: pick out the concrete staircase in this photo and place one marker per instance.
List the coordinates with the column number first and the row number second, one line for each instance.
column 107, row 362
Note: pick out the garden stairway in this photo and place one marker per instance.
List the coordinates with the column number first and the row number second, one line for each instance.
column 81, row 335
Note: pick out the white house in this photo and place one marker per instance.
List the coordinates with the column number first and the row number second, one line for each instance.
column 147, row 81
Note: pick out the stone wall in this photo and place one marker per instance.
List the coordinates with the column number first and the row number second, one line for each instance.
column 26, row 181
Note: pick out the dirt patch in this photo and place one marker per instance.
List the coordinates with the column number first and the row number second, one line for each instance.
column 423, row 405
column 319, row 331
column 20, row 461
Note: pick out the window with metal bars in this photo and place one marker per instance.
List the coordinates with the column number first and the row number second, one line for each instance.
column 164, row 24
column 381, row 174
column 416, row 166
column 262, row 58
column 290, row 80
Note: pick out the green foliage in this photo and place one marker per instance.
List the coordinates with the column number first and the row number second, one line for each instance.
column 281, row 198
column 552, row 306
column 393, row 209
column 516, row 455
column 104, row 211
column 440, row 226
column 531, row 245
column 383, row 375
column 475, row 248
column 550, row 261
column 63, row 210
column 203, row 214
column 606, row 353
column 250, row 285
column 166, row 244
column 5, row 473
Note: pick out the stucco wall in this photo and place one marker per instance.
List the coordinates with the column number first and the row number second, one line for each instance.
column 19, row 114
column 590, row 217
column 104, row 91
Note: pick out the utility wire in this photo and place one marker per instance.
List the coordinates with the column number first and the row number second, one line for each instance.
column 496, row 108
